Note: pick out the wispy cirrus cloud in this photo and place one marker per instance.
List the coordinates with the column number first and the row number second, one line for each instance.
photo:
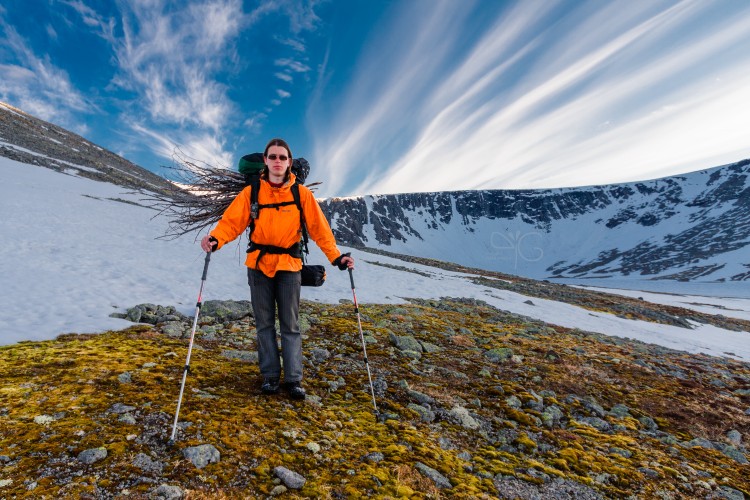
column 176, row 62
column 604, row 92
column 170, row 58
column 36, row 85
column 284, row 76
column 292, row 65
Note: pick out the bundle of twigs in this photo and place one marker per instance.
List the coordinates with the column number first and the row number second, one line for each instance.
column 200, row 195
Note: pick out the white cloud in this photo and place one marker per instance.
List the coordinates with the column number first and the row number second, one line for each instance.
column 171, row 57
column 284, row 76
column 254, row 122
column 199, row 146
column 292, row 65
column 51, row 33
column 295, row 44
column 522, row 105
column 37, row 86
column 283, row 93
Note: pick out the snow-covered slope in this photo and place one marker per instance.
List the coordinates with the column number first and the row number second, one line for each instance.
column 690, row 227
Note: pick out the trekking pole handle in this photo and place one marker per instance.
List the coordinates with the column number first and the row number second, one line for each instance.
column 351, row 278
column 205, row 266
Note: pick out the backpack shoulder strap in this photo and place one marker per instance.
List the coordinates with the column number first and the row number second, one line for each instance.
column 254, row 207
column 297, row 201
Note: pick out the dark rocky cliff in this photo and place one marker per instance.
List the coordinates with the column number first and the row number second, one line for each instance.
column 27, row 139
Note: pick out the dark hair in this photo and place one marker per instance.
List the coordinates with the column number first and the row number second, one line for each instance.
column 281, row 143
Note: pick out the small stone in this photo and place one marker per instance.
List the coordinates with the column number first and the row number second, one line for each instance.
column 173, row 329
column 552, row 416
column 425, row 414
column 420, row 397
column 405, row 343
column 597, row 423
column 648, row 423
column 43, row 419
column 374, row 457
column 500, row 354
column 701, row 442
column 620, row 411
column 127, row 418
column 313, row 447
column 167, row 492
column 734, row 437
column 733, row 453
column 620, row 451
column 5, row 482
column 594, row 408
column 463, row 417
column 124, row 378
column 149, row 365
column 728, row 493
column 202, row 455
column 408, row 353
column 430, row 348
column 650, row 473
column 513, row 402
column 145, row 463
column 320, row 355
column 290, row 478
column 92, row 455
column 440, row 480
column 278, row 490
column 120, row 408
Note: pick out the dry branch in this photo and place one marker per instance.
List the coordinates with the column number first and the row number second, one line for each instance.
column 199, row 197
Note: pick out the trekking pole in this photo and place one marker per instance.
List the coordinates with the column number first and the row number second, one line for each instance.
column 190, row 348
column 362, row 337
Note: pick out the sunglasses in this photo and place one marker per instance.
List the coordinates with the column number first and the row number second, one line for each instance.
column 280, row 157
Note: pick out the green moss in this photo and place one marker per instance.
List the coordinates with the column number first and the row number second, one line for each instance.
column 77, row 375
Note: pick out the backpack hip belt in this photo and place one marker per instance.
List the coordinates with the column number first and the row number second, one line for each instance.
column 294, row 250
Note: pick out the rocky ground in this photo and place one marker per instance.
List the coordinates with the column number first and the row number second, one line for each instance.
column 473, row 402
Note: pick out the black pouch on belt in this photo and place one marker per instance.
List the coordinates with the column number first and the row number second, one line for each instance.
column 313, row 275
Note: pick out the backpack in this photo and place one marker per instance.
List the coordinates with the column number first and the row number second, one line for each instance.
column 251, row 166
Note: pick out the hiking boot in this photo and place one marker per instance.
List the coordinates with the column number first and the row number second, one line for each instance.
column 270, row 385
column 296, row 391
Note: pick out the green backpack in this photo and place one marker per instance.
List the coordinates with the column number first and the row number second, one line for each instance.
column 251, row 166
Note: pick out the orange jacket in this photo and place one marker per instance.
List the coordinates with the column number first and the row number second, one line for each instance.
column 276, row 226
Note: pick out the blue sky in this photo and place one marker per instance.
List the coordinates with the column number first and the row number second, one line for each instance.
column 395, row 96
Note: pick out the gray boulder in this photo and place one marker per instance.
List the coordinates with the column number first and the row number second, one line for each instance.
column 227, row 310
column 202, row 455
column 92, row 455
column 290, row 478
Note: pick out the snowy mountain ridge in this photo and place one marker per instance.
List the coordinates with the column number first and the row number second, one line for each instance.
column 692, row 227
column 689, row 227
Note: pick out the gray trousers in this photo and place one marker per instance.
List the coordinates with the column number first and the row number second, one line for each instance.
column 266, row 294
